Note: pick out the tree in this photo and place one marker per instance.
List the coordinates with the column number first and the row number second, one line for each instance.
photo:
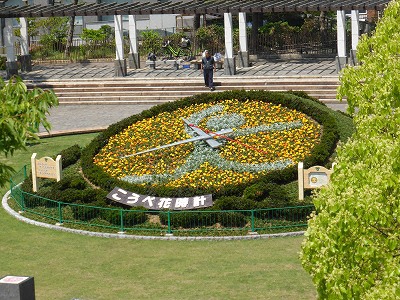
column 71, row 29
column 352, row 245
column 21, row 113
column 52, row 31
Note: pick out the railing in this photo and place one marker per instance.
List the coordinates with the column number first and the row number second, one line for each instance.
column 197, row 222
column 311, row 44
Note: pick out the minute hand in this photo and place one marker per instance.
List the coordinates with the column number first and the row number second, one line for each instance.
column 193, row 139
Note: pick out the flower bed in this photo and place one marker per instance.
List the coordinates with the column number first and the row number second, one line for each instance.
column 265, row 137
column 271, row 133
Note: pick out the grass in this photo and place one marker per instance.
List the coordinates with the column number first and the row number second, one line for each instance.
column 46, row 147
column 67, row 266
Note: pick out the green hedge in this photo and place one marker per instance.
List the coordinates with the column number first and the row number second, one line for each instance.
column 313, row 108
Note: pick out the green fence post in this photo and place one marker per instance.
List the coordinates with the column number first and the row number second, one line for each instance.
column 60, row 216
column 169, row 222
column 25, row 173
column 252, row 220
column 121, row 216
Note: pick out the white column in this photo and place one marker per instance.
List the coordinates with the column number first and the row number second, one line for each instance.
column 119, row 38
column 341, row 33
column 355, row 36
column 25, row 58
column 9, row 40
column 228, row 35
column 11, row 64
column 134, row 58
column 355, row 29
column 133, row 45
column 242, row 32
column 341, row 59
column 243, row 54
column 24, row 36
column 229, row 60
column 120, row 67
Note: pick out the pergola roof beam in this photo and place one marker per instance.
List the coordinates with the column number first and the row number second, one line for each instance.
column 188, row 7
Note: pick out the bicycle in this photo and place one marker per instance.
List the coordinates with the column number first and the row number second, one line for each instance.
column 183, row 51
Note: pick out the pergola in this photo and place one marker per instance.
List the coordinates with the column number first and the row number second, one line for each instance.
column 227, row 8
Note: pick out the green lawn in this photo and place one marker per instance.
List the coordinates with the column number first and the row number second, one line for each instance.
column 67, row 266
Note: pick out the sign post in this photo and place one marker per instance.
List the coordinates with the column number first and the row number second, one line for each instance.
column 45, row 167
column 312, row 178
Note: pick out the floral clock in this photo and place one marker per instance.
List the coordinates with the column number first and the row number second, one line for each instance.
column 210, row 144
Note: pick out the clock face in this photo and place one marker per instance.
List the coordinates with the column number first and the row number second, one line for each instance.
column 251, row 138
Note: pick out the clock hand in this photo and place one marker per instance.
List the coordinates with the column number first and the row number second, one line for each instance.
column 210, row 141
column 193, row 139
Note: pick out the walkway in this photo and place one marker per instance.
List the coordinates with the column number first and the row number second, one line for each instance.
column 94, row 117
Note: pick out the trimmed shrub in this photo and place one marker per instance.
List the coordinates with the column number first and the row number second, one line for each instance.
column 232, row 219
column 192, row 219
column 233, row 203
column 70, row 155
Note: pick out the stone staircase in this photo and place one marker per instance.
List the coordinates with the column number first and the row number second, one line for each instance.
column 159, row 90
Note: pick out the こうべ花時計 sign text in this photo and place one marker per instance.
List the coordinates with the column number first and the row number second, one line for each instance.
column 152, row 202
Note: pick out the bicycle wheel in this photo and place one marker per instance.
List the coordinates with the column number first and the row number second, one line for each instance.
column 186, row 54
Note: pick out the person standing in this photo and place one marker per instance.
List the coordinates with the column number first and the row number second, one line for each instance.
column 208, row 68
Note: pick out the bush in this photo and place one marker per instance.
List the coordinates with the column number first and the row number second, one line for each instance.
column 86, row 212
column 233, row 203
column 130, row 217
column 232, row 219
column 70, row 155
column 189, row 219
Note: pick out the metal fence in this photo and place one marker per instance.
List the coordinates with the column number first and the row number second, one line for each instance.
column 197, row 222
column 294, row 43
column 80, row 50
column 262, row 44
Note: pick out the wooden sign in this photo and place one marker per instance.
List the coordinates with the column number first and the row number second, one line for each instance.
column 45, row 167
column 312, row 178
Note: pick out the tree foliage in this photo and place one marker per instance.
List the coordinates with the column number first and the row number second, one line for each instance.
column 151, row 41
column 352, row 246
column 103, row 34
column 22, row 111
column 210, row 37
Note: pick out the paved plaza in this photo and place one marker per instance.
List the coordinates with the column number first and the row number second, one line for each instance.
column 299, row 67
column 77, row 118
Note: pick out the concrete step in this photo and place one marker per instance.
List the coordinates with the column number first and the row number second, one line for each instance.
column 150, row 82
column 143, row 99
column 191, row 87
column 160, row 90
column 169, row 85
column 178, row 92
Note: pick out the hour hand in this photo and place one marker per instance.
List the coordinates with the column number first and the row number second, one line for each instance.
column 207, row 137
